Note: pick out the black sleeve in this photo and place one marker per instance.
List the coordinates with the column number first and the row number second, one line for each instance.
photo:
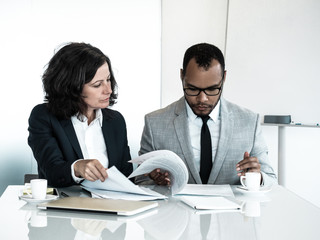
column 46, row 137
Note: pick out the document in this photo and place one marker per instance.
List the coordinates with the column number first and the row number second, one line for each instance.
column 117, row 186
column 210, row 203
column 167, row 161
column 207, row 190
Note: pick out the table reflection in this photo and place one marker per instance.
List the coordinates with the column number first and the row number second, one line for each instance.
column 171, row 220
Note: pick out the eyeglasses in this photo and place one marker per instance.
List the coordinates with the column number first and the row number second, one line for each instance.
column 210, row 91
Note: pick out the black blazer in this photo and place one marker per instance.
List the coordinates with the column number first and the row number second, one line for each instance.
column 55, row 145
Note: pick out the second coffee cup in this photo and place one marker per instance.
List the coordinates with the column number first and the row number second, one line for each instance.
column 251, row 181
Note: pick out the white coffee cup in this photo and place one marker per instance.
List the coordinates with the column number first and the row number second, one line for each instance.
column 39, row 188
column 251, row 181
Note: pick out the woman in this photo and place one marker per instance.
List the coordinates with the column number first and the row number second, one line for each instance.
column 74, row 136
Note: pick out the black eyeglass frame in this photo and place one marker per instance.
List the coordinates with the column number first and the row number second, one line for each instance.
column 204, row 90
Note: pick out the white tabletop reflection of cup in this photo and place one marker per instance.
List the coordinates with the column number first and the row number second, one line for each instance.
column 36, row 220
column 251, row 181
column 252, row 209
column 39, row 188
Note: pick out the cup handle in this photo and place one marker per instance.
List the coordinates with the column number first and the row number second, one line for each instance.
column 243, row 180
column 26, row 189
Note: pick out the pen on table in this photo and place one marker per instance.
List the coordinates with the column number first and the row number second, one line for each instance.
column 64, row 194
column 308, row 124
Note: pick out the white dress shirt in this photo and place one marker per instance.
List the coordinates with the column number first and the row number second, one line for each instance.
column 91, row 140
column 195, row 124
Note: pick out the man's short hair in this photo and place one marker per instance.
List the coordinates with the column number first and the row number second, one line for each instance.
column 203, row 53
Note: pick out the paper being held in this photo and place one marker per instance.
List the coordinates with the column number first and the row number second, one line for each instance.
column 167, row 161
column 117, row 186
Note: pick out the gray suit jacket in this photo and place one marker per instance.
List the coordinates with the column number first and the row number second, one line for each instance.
column 240, row 131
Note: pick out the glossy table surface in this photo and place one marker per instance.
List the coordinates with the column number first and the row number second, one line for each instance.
column 278, row 214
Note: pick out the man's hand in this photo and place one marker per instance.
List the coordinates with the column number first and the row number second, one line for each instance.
column 90, row 169
column 160, row 178
column 248, row 164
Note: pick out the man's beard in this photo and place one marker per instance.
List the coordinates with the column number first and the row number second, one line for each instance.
column 208, row 108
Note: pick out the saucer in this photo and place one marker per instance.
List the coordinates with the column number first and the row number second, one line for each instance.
column 260, row 191
column 29, row 198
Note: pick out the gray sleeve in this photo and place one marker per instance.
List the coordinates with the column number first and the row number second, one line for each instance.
column 260, row 150
column 146, row 145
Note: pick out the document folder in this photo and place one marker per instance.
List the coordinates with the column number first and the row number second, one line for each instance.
column 120, row 207
column 210, row 203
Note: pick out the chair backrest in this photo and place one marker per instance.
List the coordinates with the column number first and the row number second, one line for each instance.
column 29, row 177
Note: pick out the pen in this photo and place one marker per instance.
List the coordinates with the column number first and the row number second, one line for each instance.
column 64, row 194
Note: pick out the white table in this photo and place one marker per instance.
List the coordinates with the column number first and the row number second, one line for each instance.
column 279, row 214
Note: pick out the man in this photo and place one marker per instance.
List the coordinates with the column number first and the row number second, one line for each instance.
column 234, row 140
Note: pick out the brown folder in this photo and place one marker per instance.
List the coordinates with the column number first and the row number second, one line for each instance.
column 120, row 207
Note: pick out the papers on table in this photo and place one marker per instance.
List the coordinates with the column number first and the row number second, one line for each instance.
column 210, row 203
column 167, row 161
column 117, row 186
column 208, row 197
column 207, row 190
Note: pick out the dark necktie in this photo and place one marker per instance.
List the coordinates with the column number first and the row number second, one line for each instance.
column 205, row 152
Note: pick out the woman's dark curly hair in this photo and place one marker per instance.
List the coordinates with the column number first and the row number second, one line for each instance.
column 74, row 65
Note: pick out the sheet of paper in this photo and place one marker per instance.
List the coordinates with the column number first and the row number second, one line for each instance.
column 167, row 161
column 119, row 184
column 207, row 190
column 97, row 193
column 209, row 202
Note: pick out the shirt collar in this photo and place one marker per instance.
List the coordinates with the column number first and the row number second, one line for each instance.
column 99, row 117
column 214, row 115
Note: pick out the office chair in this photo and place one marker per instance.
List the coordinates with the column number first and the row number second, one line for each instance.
column 29, row 177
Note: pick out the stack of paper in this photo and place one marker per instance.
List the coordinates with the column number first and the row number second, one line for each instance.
column 208, row 197
column 210, row 203
column 117, row 186
column 167, row 161
column 207, row 190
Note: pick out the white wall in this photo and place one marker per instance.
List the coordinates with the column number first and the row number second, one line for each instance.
column 273, row 54
column 129, row 32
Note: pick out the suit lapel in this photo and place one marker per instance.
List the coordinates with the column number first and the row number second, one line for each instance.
column 71, row 134
column 108, row 135
column 226, row 128
column 181, row 128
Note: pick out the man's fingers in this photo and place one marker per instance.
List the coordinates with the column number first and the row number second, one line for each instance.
column 154, row 173
column 246, row 155
column 164, row 181
column 248, row 164
column 160, row 178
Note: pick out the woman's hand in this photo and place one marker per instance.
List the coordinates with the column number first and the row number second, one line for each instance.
column 90, row 169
